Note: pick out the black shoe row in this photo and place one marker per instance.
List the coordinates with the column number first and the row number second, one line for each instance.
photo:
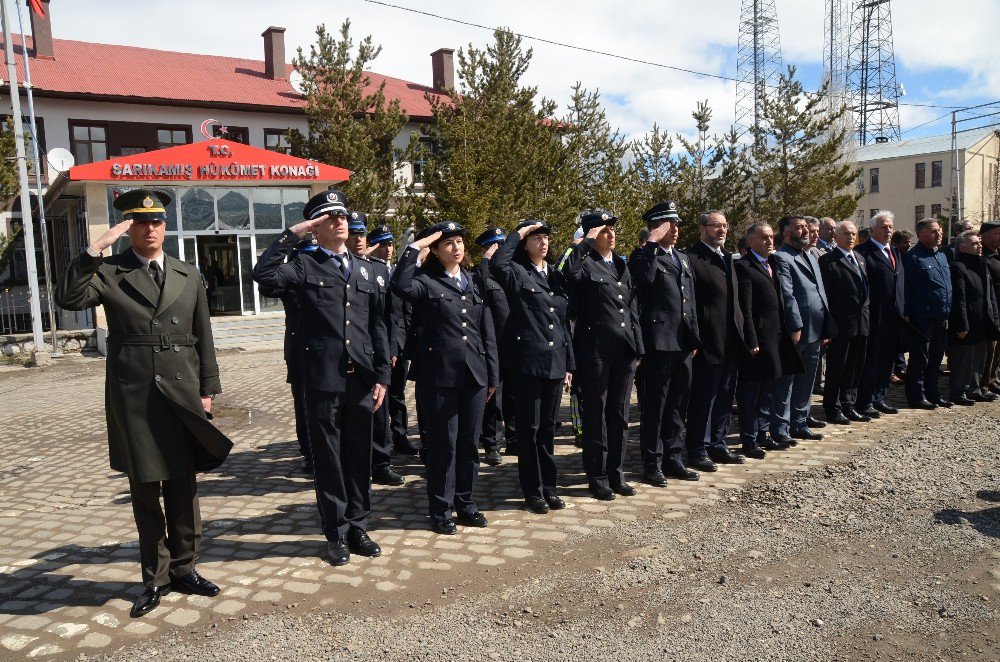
column 541, row 506
column 191, row 583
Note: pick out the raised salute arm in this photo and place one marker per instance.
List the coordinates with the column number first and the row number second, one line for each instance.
column 402, row 282
column 271, row 270
column 79, row 290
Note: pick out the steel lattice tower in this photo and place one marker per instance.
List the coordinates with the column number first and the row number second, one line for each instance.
column 758, row 61
column 871, row 73
column 836, row 31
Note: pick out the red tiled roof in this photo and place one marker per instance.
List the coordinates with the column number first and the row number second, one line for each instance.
column 137, row 75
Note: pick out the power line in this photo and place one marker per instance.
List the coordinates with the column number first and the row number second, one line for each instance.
column 593, row 51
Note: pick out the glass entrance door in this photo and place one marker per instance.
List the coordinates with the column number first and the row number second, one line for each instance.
column 225, row 262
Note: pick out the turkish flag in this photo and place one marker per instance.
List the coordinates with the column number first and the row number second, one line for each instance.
column 36, row 6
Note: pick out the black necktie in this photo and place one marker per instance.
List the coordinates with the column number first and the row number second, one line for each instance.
column 156, row 273
column 345, row 266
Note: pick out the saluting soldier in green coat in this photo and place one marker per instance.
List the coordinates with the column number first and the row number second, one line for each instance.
column 161, row 377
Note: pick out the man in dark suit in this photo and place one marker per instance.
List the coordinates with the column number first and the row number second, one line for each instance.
column 669, row 319
column 847, row 288
column 720, row 322
column 772, row 352
column 807, row 314
column 927, row 307
column 345, row 363
column 989, row 232
column 161, row 378
column 884, row 266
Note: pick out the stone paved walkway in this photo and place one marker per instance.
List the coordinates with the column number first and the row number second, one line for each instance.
column 69, row 558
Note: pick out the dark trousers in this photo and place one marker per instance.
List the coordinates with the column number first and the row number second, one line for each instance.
column 791, row 397
column 899, row 367
column 605, row 391
column 710, row 408
column 991, row 366
column 664, row 388
column 536, row 407
column 454, row 416
column 880, row 359
column 845, row 357
column 340, row 433
column 301, row 419
column 398, row 424
column 926, row 352
column 966, row 362
column 754, row 398
column 498, row 416
column 168, row 545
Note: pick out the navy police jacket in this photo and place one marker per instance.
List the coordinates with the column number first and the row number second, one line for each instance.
column 342, row 327
column 668, row 312
column 456, row 335
column 928, row 283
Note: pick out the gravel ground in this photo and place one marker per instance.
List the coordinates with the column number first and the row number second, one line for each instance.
column 893, row 555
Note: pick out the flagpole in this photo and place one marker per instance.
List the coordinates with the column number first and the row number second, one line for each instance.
column 39, row 170
column 39, row 355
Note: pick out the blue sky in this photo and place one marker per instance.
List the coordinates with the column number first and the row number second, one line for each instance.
column 946, row 53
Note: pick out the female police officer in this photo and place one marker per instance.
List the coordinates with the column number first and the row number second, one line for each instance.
column 606, row 344
column 539, row 357
column 455, row 369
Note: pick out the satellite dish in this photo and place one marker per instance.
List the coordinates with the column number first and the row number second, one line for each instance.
column 60, row 159
column 295, row 79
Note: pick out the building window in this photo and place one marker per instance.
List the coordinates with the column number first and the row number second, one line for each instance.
column 239, row 134
column 89, row 142
column 918, row 212
column 871, row 213
column 873, row 188
column 936, row 212
column 921, row 173
column 936, row 167
column 171, row 137
column 276, row 140
column 420, row 162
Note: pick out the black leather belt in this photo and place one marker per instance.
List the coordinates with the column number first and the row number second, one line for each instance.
column 161, row 340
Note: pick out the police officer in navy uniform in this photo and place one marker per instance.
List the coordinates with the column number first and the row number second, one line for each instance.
column 538, row 355
column 455, row 367
column 344, row 351
column 498, row 417
column 669, row 317
column 381, row 246
column 606, row 343
column 357, row 243
column 293, row 369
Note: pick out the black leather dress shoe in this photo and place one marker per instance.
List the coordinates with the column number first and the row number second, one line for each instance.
column 855, row 416
column 784, row 440
column 148, row 601
column 976, row 397
column 884, row 408
column 654, row 478
column 870, row 412
column 404, row 447
column 755, row 452
column 537, row 505
column 194, row 584
column 337, row 553
column 923, row 404
column 806, row 434
column 492, row 457
column 837, row 418
column 947, row 404
column 964, row 401
column 769, row 444
column 476, row 519
column 602, row 493
column 444, row 527
column 814, row 423
column 994, row 389
column 726, row 458
column 555, row 503
column 624, row 489
column 386, row 476
column 676, row 469
column 359, row 543
column 702, row 464
column 987, row 396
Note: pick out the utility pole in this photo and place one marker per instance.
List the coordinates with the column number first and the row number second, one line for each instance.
column 40, row 356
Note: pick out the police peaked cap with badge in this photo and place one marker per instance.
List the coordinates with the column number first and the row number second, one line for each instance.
column 541, row 229
column 663, row 211
column 357, row 223
column 447, row 229
column 492, row 235
column 381, row 234
column 595, row 218
column 143, row 205
column 331, row 202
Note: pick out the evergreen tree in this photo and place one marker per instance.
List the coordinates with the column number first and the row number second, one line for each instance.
column 9, row 184
column 350, row 122
column 730, row 189
column 799, row 164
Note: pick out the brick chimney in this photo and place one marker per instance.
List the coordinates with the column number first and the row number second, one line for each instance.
column 41, row 30
column 274, row 53
column 443, row 66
